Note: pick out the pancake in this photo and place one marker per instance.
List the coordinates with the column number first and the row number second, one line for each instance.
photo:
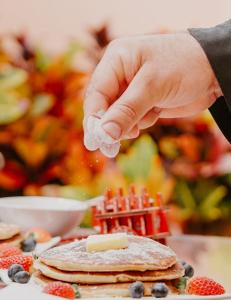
column 174, row 272
column 7, row 231
column 108, row 290
column 142, row 254
column 14, row 241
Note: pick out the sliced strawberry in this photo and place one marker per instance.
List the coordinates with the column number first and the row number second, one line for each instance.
column 23, row 260
column 7, row 250
column 204, row 286
column 62, row 289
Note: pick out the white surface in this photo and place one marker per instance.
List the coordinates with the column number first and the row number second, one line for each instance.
column 24, row 292
column 28, row 292
column 57, row 215
column 54, row 22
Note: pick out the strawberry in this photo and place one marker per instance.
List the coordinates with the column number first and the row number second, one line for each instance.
column 204, row 286
column 40, row 235
column 62, row 289
column 7, row 250
column 23, row 260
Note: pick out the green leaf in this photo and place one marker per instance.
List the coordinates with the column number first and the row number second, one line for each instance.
column 185, row 195
column 181, row 284
column 214, row 213
column 214, row 197
column 11, row 78
column 70, row 53
column 168, row 147
column 74, row 192
column 42, row 61
column 137, row 163
column 41, row 104
column 76, row 289
column 11, row 108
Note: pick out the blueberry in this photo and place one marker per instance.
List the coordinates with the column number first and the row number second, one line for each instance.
column 14, row 269
column 159, row 290
column 22, row 277
column 183, row 262
column 28, row 244
column 136, row 289
column 189, row 271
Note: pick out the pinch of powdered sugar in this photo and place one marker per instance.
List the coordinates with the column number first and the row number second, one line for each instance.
column 90, row 142
column 96, row 138
column 91, row 124
column 102, row 136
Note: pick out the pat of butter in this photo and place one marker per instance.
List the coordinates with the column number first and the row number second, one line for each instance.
column 104, row 242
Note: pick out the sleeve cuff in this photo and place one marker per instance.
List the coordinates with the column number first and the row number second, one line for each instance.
column 216, row 43
column 222, row 116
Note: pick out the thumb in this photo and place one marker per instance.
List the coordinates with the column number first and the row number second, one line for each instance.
column 132, row 106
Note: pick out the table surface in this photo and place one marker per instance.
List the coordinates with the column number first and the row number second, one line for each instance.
column 210, row 256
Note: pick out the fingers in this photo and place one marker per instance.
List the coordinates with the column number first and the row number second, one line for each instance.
column 93, row 105
column 132, row 134
column 186, row 110
column 147, row 121
column 104, row 85
column 130, row 108
column 150, row 118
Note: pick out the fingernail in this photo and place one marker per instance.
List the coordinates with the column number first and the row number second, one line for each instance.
column 112, row 129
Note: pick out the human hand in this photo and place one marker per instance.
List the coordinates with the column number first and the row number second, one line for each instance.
column 140, row 79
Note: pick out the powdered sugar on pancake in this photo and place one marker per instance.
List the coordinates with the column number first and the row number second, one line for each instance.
column 142, row 254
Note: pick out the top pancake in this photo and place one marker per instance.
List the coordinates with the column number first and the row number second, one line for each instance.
column 7, row 231
column 142, row 254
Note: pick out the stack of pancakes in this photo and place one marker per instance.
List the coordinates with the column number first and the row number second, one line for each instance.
column 10, row 234
column 110, row 272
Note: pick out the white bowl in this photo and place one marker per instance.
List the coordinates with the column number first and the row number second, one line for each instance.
column 57, row 215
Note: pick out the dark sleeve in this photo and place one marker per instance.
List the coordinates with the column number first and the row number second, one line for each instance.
column 216, row 42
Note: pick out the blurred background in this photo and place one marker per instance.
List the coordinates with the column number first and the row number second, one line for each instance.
column 48, row 49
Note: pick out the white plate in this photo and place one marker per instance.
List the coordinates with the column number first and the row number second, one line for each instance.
column 33, row 291
column 24, row 292
column 29, row 292
column 183, row 297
